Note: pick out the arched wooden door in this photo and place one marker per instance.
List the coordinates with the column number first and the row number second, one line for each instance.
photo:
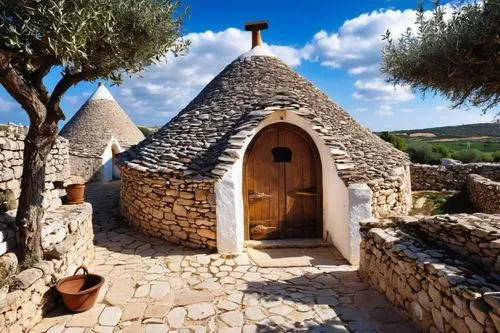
column 282, row 185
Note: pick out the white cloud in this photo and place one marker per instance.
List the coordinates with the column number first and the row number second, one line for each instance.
column 7, row 106
column 406, row 110
column 357, row 43
column 385, row 110
column 167, row 87
column 378, row 90
column 441, row 108
column 360, row 109
column 356, row 46
column 388, row 110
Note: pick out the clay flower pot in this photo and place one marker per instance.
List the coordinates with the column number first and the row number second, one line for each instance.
column 79, row 292
column 75, row 193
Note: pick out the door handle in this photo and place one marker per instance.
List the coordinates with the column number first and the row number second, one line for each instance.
column 254, row 195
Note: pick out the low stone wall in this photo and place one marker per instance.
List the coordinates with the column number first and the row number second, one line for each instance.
column 179, row 210
column 484, row 193
column 67, row 237
column 441, row 290
column 453, row 177
column 67, row 243
column 88, row 167
column 392, row 196
column 476, row 236
column 11, row 168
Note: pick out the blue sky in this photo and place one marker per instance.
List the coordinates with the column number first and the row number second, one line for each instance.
column 334, row 44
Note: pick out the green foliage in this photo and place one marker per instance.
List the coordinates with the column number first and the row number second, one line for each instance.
column 441, row 150
column 395, row 140
column 438, row 203
column 458, row 57
column 496, row 156
column 97, row 38
column 424, row 155
column 472, row 156
column 147, row 131
column 474, row 130
column 27, row 263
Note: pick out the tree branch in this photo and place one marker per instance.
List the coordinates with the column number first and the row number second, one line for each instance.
column 54, row 111
column 21, row 90
column 37, row 76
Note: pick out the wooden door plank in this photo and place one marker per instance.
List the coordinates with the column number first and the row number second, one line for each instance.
column 262, row 174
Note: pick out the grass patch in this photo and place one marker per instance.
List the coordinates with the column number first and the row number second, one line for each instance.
column 28, row 262
column 437, row 203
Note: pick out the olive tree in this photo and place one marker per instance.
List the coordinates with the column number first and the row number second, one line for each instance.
column 85, row 40
column 457, row 55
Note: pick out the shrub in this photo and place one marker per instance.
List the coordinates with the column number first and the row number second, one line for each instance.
column 424, row 155
column 442, row 150
column 496, row 156
column 395, row 140
column 470, row 156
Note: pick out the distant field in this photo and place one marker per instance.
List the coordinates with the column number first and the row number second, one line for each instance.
column 466, row 143
column 461, row 131
column 488, row 145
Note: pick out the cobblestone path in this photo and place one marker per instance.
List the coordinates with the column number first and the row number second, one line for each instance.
column 153, row 286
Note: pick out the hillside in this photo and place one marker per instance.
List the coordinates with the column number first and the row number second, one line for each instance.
column 460, row 131
column 467, row 143
column 148, row 130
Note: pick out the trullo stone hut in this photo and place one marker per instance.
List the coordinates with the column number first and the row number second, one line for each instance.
column 261, row 153
column 96, row 133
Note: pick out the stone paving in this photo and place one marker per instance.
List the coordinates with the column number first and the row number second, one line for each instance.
column 153, row 286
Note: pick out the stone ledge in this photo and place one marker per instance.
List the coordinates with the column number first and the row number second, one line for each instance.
column 31, row 292
column 453, row 177
column 62, row 222
column 437, row 288
column 484, row 193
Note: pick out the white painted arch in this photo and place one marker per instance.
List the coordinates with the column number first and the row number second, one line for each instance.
column 340, row 218
column 108, row 169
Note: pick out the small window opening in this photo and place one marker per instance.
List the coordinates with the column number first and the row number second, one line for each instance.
column 282, row 154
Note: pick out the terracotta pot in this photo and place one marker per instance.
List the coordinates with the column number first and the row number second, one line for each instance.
column 75, row 193
column 79, row 292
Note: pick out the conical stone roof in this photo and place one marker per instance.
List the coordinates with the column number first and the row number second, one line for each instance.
column 100, row 118
column 203, row 139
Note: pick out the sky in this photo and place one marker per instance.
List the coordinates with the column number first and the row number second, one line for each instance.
column 334, row 44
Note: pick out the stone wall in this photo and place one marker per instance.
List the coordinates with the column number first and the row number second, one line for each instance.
column 484, row 193
column 86, row 166
column 67, row 243
column 179, row 210
column 392, row 195
column 439, row 288
column 453, row 177
column 475, row 236
column 11, row 168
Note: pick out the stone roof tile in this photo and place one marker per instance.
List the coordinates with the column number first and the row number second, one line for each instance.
column 204, row 138
column 98, row 120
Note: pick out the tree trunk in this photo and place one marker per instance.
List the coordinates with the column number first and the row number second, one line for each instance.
column 30, row 212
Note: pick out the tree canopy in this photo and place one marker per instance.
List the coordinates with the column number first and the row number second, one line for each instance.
column 457, row 56
column 87, row 40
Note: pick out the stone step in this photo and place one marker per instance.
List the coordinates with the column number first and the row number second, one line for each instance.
column 286, row 243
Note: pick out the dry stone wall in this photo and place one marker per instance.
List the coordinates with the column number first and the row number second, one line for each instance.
column 453, row 177
column 67, row 243
column 88, row 167
column 475, row 236
column 11, row 168
column 484, row 193
column 392, row 195
column 439, row 288
column 170, row 207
